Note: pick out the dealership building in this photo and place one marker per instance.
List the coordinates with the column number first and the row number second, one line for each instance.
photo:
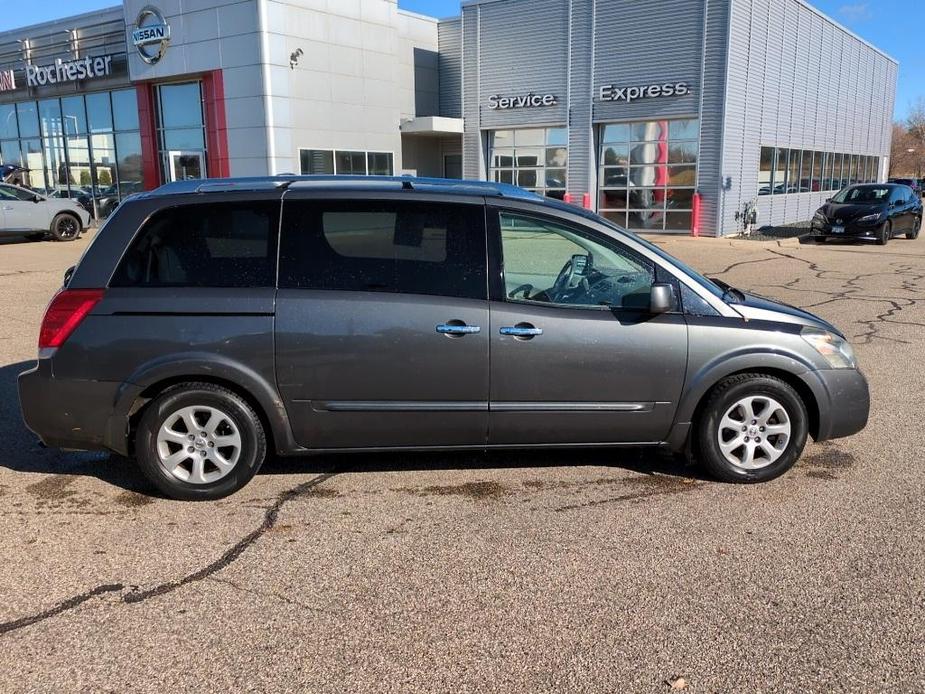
column 683, row 116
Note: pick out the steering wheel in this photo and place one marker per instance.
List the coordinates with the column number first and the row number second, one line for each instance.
column 568, row 274
column 525, row 288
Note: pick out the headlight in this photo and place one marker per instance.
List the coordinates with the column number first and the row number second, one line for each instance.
column 834, row 349
column 870, row 218
column 819, row 217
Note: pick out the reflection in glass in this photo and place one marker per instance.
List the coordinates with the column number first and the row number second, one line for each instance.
column 616, row 154
column 617, row 217
column 646, row 220
column 528, row 157
column 314, row 162
column 556, row 156
column 616, row 132
column 128, row 164
column 9, row 152
column 680, row 198
column 50, row 117
column 683, row 153
column 527, row 178
column 557, row 137
column 647, row 198
column 683, row 129
column 647, row 154
column 678, row 221
column 350, row 163
column 125, row 109
column 379, row 163
column 555, row 178
column 28, row 116
column 652, row 131
column 180, row 105
column 74, row 115
column 99, row 112
column 613, row 200
column 530, row 137
column 8, row 128
column 187, row 138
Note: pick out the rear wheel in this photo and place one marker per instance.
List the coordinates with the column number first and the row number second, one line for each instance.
column 753, row 428
column 913, row 233
column 199, row 441
column 886, row 233
column 65, row 227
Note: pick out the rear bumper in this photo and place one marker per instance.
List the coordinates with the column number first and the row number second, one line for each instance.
column 843, row 397
column 70, row 413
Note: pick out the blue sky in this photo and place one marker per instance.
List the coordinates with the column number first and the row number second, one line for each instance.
column 895, row 26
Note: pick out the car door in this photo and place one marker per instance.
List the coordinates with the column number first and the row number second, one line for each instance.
column 576, row 355
column 382, row 322
column 899, row 212
column 18, row 214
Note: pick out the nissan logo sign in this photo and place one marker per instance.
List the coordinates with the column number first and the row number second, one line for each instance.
column 151, row 34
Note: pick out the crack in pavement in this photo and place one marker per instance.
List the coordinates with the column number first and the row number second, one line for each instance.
column 63, row 606
column 739, row 264
column 270, row 517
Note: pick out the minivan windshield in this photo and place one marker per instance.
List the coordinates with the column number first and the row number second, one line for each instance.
column 863, row 195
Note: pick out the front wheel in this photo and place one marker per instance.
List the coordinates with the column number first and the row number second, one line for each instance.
column 199, row 441
column 65, row 227
column 886, row 233
column 753, row 428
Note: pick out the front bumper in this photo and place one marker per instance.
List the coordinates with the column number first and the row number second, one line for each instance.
column 843, row 397
column 73, row 414
column 851, row 231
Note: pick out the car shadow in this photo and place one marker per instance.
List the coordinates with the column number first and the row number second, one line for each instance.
column 26, row 455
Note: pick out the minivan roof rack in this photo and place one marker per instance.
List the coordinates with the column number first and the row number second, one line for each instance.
column 341, row 183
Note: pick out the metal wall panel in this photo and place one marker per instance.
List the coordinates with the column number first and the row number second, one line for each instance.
column 642, row 43
column 821, row 88
column 449, row 66
column 523, row 49
column 713, row 97
column 473, row 156
column 582, row 157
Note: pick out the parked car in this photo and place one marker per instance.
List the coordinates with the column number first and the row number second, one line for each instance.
column 24, row 212
column 911, row 182
column 212, row 324
column 79, row 195
column 873, row 211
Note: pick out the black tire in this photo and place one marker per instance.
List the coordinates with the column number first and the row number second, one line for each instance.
column 65, row 227
column 916, row 227
column 723, row 397
column 253, row 448
column 886, row 233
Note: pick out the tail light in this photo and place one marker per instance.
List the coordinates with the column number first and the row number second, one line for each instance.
column 66, row 311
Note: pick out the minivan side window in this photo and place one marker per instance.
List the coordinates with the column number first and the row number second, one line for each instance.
column 204, row 245
column 384, row 246
column 550, row 263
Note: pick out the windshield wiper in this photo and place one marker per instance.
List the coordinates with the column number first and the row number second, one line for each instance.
column 729, row 292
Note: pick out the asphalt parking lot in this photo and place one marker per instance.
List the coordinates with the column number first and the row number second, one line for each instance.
column 523, row 572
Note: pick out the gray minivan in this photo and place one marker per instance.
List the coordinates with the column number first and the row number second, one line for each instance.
column 212, row 323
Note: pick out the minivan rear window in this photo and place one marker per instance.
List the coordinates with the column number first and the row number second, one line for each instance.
column 384, row 246
column 204, row 245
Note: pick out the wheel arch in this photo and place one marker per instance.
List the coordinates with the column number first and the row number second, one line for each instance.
column 151, row 380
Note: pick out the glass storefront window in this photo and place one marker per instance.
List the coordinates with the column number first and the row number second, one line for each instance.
column 648, row 173
column 8, row 128
column 28, row 117
column 125, row 110
column 807, row 171
column 314, row 162
column 532, row 158
column 766, row 169
column 99, row 112
column 181, row 131
column 71, row 149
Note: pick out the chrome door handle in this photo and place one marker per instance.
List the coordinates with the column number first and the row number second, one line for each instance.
column 458, row 329
column 521, row 331
column 7, row 207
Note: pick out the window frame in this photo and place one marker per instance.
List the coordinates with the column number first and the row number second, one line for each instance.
column 273, row 237
column 334, row 152
column 285, row 281
column 497, row 288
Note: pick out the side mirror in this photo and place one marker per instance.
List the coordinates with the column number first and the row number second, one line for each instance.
column 661, row 299
column 36, row 198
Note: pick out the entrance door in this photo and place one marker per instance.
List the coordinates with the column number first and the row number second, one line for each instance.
column 576, row 356
column 382, row 323
column 184, row 166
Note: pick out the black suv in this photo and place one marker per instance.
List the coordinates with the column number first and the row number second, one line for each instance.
column 210, row 323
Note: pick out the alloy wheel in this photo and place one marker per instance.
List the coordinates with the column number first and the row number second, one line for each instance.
column 754, row 432
column 198, row 445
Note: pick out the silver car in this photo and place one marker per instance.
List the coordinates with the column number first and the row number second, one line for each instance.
column 24, row 212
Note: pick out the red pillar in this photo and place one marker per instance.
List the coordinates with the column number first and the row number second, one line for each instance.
column 213, row 96
column 696, row 214
column 150, row 170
